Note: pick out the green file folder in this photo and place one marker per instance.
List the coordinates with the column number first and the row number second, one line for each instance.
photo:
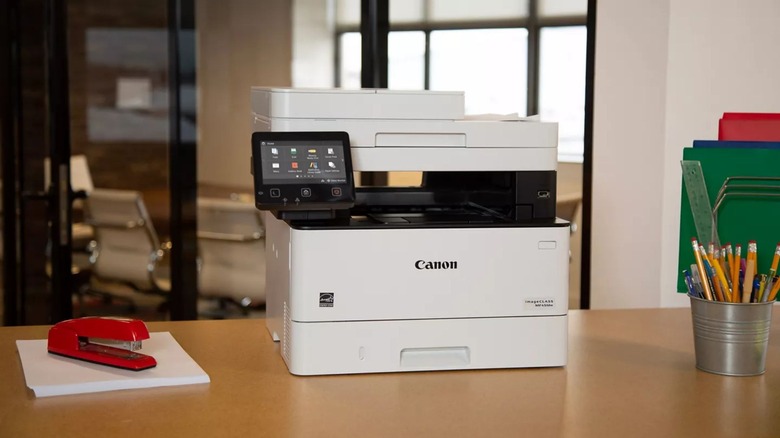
column 740, row 219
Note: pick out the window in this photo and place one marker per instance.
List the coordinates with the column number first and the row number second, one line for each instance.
column 562, row 86
column 406, row 60
column 460, row 60
column 452, row 45
column 349, row 66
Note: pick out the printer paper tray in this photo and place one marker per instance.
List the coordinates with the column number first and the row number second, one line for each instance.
column 312, row 348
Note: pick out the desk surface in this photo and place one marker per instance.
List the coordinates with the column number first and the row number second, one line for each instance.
column 630, row 373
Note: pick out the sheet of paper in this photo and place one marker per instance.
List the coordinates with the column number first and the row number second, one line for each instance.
column 49, row 374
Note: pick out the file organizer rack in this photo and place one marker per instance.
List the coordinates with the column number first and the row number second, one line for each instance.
column 758, row 191
column 745, row 208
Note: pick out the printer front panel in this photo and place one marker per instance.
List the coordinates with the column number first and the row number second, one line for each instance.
column 419, row 273
column 277, row 279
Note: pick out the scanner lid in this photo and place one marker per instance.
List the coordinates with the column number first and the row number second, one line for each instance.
column 323, row 103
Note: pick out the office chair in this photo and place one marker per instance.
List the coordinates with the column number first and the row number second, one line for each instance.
column 231, row 248
column 126, row 250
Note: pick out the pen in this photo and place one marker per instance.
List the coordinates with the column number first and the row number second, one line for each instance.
column 700, row 267
column 725, row 267
column 761, row 288
column 756, row 288
column 697, row 282
column 689, row 283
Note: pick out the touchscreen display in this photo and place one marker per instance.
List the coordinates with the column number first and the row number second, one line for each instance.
column 303, row 162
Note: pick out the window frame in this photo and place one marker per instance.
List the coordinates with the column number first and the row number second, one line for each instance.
column 533, row 23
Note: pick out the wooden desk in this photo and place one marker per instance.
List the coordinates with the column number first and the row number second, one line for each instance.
column 630, row 373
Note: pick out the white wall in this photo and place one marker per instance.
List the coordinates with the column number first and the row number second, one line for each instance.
column 665, row 72
column 628, row 152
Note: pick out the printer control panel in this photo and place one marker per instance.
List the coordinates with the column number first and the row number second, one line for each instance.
column 302, row 171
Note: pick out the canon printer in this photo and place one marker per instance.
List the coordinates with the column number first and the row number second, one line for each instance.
column 468, row 270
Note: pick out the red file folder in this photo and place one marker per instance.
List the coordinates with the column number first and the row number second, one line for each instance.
column 749, row 127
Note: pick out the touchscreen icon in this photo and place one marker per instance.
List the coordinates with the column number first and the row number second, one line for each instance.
column 293, row 151
column 314, row 165
column 331, row 164
column 294, row 164
column 274, row 165
column 330, row 151
column 312, row 151
column 275, row 151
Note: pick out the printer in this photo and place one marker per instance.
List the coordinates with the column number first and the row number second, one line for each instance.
column 468, row 270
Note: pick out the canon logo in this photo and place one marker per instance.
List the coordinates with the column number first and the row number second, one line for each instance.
column 422, row 264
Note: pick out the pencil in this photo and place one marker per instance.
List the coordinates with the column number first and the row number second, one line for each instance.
column 769, row 283
column 730, row 254
column 726, row 268
column 709, row 266
column 773, row 294
column 775, row 261
column 750, row 271
column 702, row 272
column 718, row 279
column 735, row 275
column 771, row 277
column 724, row 284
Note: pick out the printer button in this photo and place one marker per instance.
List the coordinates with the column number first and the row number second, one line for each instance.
column 306, row 192
column 335, row 191
column 275, row 193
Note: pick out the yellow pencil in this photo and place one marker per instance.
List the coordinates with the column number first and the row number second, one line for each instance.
column 730, row 254
column 702, row 272
column 775, row 288
column 718, row 279
column 717, row 294
column 735, row 275
column 724, row 285
column 750, row 270
column 775, row 261
column 725, row 268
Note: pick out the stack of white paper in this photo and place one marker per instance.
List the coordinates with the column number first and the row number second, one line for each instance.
column 48, row 374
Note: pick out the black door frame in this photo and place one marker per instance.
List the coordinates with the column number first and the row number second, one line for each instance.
column 10, row 132
column 60, row 196
column 181, row 157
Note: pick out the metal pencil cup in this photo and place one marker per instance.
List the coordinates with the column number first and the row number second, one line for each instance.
column 731, row 338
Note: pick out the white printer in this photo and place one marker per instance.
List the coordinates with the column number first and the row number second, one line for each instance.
column 467, row 271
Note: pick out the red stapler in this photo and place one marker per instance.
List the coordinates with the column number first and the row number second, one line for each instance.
column 107, row 341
